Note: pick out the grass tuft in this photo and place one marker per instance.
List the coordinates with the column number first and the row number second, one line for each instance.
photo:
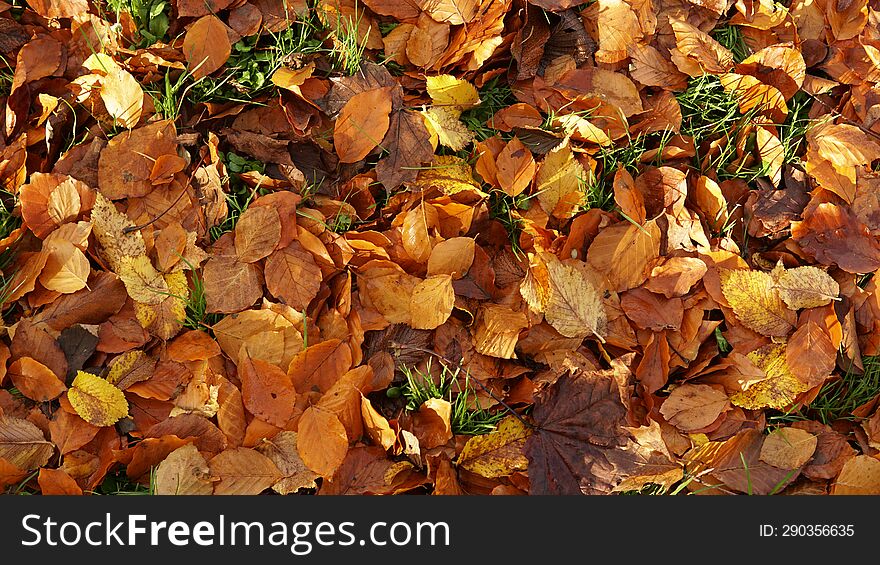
column 466, row 420
column 495, row 95
column 731, row 37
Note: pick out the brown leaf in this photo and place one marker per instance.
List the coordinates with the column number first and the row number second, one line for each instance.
column 859, row 475
column 206, row 46
column 621, row 252
column 694, row 406
column 319, row 366
column 23, row 444
column 293, row 276
column 281, row 450
column 788, row 448
column 126, row 163
column 408, row 146
column 231, row 285
column 184, row 472
column 834, row 236
column 810, row 354
column 366, row 470
column 516, row 167
column 257, row 233
column 243, row 471
column 57, row 482
column 579, row 420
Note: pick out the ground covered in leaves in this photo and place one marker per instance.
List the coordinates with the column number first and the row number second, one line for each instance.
column 440, row 246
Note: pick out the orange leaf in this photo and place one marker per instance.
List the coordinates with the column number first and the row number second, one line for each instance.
column 362, row 124
column 321, row 441
column 35, row 380
column 267, row 391
column 516, row 167
column 206, row 46
column 57, row 482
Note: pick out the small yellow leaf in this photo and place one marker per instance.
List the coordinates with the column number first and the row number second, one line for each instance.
column 780, row 387
column 806, row 287
column 108, row 225
column 569, row 301
column 123, row 97
column 443, row 121
column 64, row 202
column 97, row 401
column 756, row 302
column 142, row 281
column 498, row 454
column 446, row 90
column 558, row 182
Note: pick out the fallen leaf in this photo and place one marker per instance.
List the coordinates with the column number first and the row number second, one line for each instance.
column 281, row 450
column 691, row 407
column 243, row 471
column 22, row 444
column 431, row 302
column 184, row 472
column 206, row 46
column 321, row 441
column 362, row 124
column 579, row 419
column 859, row 475
column 788, row 448
column 806, row 287
column 35, row 380
column 498, row 454
column 97, row 401
column 756, row 302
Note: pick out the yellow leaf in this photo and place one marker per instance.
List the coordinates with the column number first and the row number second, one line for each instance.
column 142, row 281
column 558, row 181
column 569, row 301
column 498, row 454
column 772, row 154
column 806, row 287
column 97, row 401
column 67, row 268
column 449, row 174
column 446, row 90
column 123, row 98
column 443, row 121
column 165, row 319
column 109, row 224
column 780, row 387
column 452, row 12
column 756, row 302
column 123, row 364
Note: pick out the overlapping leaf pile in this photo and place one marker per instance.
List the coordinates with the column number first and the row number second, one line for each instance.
column 533, row 197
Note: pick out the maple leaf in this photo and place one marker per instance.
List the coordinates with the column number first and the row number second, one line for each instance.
column 579, row 420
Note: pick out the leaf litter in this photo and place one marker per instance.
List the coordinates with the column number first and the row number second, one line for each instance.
column 440, row 247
